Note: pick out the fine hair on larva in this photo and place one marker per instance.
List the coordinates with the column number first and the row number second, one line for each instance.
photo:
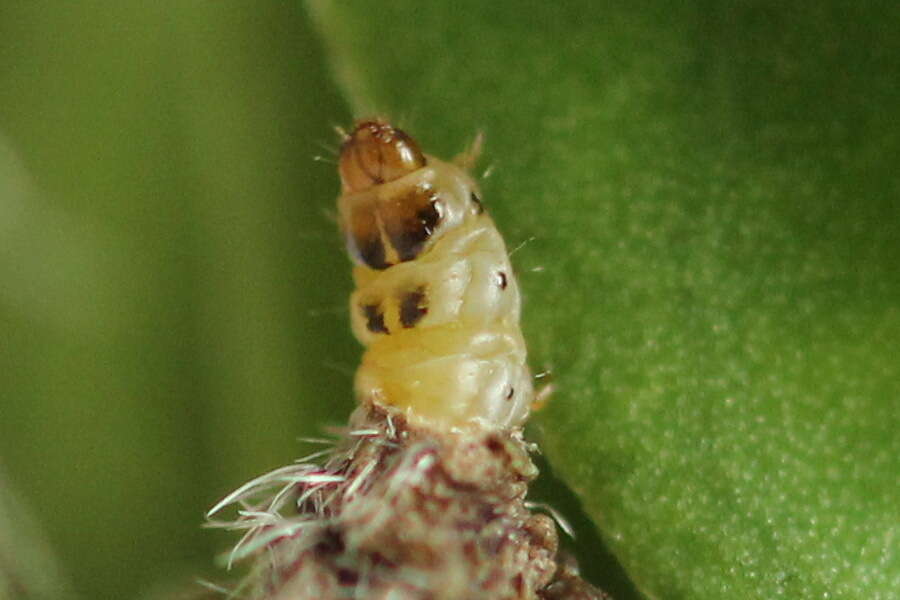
column 436, row 302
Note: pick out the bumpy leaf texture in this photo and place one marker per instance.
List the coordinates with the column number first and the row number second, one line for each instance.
column 712, row 194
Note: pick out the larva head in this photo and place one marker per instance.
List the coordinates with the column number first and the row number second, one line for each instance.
column 397, row 202
column 376, row 153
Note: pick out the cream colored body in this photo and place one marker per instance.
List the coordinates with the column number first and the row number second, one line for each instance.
column 464, row 361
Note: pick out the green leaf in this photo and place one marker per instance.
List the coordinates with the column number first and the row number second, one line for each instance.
column 713, row 196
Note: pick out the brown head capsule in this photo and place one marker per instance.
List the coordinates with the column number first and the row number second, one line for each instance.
column 376, row 153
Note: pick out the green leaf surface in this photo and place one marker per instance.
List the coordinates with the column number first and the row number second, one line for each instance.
column 712, row 193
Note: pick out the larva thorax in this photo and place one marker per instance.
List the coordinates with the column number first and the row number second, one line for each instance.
column 436, row 303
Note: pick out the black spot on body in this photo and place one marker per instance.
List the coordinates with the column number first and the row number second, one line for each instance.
column 409, row 238
column 413, row 306
column 510, row 393
column 479, row 207
column 374, row 318
column 430, row 216
column 371, row 252
column 364, row 238
column 502, row 281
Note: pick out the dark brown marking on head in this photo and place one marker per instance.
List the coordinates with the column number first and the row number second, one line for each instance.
column 374, row 153
column 479, row 207
column 364, row 239
column 502, row 280
column 413, row 306
column 510, row 393
column 374, row 318
column 411, row 220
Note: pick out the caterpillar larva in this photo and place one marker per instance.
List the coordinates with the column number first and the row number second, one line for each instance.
column 436, row 302
column 423, row 496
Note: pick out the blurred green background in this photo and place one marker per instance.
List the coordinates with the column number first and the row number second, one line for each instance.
column 173, row 290
column 713, row 192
